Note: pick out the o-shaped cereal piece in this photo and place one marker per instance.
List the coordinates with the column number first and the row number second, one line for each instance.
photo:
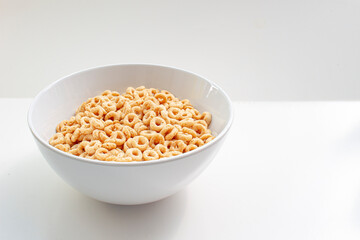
column 169, row 132
column 148, row 105
column 102, row 154
column 85, row 121
column 207, row 137
column 157, row 124
column 150, row 154
column 112, row 115
column 148, row 133
column 189, row 131
column 149, row 115
column 138, row 111
column 189, row 122
column 142, row 93
column 75, row 136
column 97, row 123
column 109, row 106
column 91, row 148
column 161, row 97
column 97, row 112
column 128, row 132
column 119, row 102
column 126, row 109
column 112, row 128
column 172, row 153
column 140, row 142
column 190, row 147
column 177, row 145
column 156, row 139
column 86, row 129
column 197, row 142
column 174, row 112
column 63, row 147
column 134, row 153
column 58, row 138
column 109, row 145
column 161, row 149
column 206, row 116
column 199, row 129
column 118, row 137
column 131, row 119
column 139, row 127
column 184, row 136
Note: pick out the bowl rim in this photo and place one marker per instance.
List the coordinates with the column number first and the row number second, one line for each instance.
column 135, row 163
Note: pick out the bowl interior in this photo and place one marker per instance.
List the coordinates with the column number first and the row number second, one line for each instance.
column 59, row 101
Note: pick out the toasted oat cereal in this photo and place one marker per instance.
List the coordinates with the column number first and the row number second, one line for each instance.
column 140, row 125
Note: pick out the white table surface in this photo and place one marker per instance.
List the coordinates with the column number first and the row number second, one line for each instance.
column 287, row 171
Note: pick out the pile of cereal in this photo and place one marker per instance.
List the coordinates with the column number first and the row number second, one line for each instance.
column 139, row 125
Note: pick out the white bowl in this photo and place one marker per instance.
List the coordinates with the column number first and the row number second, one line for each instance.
column 133, row 182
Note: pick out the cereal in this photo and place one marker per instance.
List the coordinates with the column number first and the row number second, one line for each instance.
column 139, row 125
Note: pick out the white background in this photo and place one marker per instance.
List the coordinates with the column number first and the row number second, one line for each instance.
column 255, row 50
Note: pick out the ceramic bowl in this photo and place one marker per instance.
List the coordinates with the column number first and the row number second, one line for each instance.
column 128, row 183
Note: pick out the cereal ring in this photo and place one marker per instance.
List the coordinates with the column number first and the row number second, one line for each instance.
column 119, row 138
column 139, row 127
column 140, row 88
column 63, row 147
column 148, row 105
column 150, row 155
column 207, row 137
column 148, row 133
column 197, row 142
column 128, row 132
column 174, row 113
column 138, row 111
column 119, row 102
column 97, row 112
column 109, row 106
column 70, row 129
column 189, row 131
column 161, row 97
column 190, row 147
column 75, row 136
column 86, row 129
column 206, row 116
column 102, row 154
column 172, row 153
column 177, row 145
column 97, row 123
column 157, row 124
column 156, row 139
column 124, row 159
column 140, row 142
column 112, row 128
column 58, row 138
column 161, row 149
column 149, row 115
column 131, row 119
column 184, row 136
column 91, row 148
column 169, row 132
column 109, row 145
column 103, row 136
column 189, row 122
column 134, row 153
column 199, row 129
column 67, row 138
column 112, row 115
